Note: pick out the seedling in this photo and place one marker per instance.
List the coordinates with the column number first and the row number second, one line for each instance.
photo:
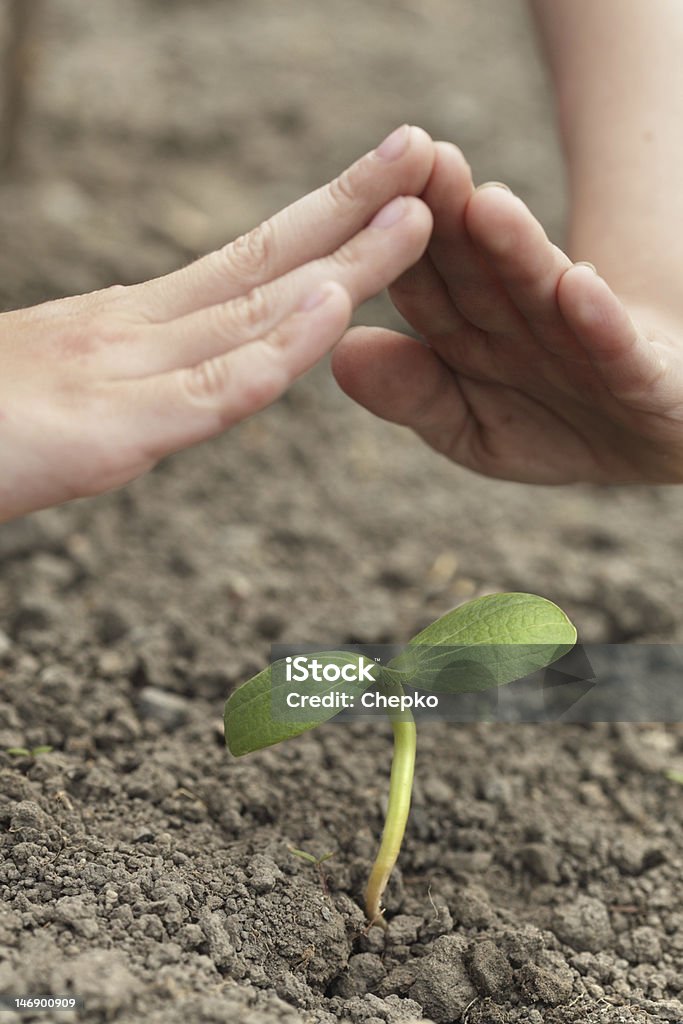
column 317, row 863
column 481, row 645
column 28, row 752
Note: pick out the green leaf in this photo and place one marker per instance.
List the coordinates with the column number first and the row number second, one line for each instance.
column 304, row 856
column 485, row 643
column 256, row 714
column 18, row 751
column 675, row 776
column 309, row 856
column 36, row 751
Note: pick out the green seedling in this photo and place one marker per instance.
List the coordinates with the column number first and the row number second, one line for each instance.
column 481, row 645
column 675, row 776
column 317, row 863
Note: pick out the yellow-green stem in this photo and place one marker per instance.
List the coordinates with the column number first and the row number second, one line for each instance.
column 400, row 791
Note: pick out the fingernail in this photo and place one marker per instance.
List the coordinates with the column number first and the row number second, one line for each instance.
column 389, row 214
column 394, row 144
column 585, row 263
column 315, row 298
column 493, row 184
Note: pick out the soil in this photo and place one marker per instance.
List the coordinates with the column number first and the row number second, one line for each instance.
column 142, row 868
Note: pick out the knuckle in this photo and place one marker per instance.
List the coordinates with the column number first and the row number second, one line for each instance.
column 274, row 343
column 115, row 293
column 252, row 309
column 78, row 342
column 219, row 323
column 343, row 189
column 346, row 257
column 206, row 382
column 252, row 254
column 91, row 334
column 228, row 394
column 261, row 388
column 98, row 302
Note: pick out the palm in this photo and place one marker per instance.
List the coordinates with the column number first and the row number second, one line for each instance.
column 528, row 414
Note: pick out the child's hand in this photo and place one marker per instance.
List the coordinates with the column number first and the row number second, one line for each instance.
column 96, row 389
column 535, row 371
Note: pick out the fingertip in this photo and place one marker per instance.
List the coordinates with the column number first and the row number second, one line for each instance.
column 627, row 361
column 410, row 216
column 419, row 209
column 494, row 216
column 420, row 139
column 343, row 300
column 585, row 271
column 328, row 295
column 412, row 148
column 450, row 182
column 589, row 304
column 421, row 144
column 350, row 357
column 340, row 295
column 450, row 154
column 324, row 316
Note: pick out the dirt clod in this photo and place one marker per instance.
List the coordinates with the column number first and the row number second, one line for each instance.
column 583, row 924
column 442, row 986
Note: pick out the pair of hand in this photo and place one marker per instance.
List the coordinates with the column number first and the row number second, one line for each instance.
column 532, row 369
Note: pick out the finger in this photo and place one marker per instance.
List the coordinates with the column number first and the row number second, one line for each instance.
column 472, row 286
column 628, row 363
column 397, row 237
column 525, row 262
column 422, row 298
column 422, row 295
column 402, row 381
column 311, row 228
column 172, row 411
column 424, row 301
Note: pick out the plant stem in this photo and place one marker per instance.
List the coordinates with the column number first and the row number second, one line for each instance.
column 400, row 791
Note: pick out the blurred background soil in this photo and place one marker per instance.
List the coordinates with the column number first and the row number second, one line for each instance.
column 156, row 130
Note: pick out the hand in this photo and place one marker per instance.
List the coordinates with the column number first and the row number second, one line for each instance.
column 533, row 369
column 95, row 389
